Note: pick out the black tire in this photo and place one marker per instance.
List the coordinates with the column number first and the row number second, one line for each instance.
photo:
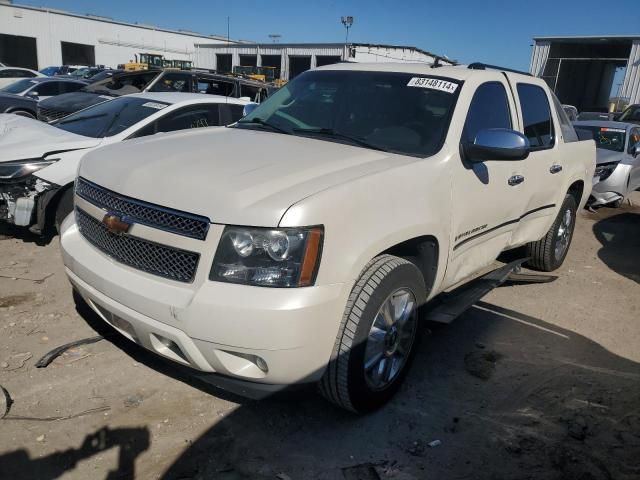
column 344, row 381
column 64, row 207
column 24, row 113
column 542, row 254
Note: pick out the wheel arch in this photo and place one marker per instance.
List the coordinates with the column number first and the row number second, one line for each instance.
column 423, row 252
column 22, row 109
column 576, row 190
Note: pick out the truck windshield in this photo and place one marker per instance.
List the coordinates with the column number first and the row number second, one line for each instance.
column 607, row 138
column 110, row 118
column 396, row 112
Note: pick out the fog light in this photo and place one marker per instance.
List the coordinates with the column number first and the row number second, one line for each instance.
column 262, row 365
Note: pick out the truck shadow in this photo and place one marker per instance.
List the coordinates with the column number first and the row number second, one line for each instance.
column 23, row 234
column 619, row 234
column 504, row 394
column 131, row 442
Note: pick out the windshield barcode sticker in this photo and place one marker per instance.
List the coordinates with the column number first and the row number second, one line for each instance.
column 433, row 84
column 157, row 106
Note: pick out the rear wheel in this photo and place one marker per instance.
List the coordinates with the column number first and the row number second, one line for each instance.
column 548, row 253
column 377, row 337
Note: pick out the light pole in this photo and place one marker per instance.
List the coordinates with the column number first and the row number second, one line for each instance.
column 347, row 22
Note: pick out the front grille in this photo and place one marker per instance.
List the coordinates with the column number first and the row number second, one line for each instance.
column 150, row 257
column 51, row 114
column 136, row 211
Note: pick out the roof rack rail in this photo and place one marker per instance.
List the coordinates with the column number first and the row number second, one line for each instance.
column 485, row 66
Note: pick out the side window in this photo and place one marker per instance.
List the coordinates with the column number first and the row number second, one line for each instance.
column 173, row 82
column 48, row 89
column 196, row 116
column 213, row 86
column 489, row 109
column 5, row 73
column 230, row 113
column 634, row 138
column 536, row 114
column 27, row 74
column 67, row 87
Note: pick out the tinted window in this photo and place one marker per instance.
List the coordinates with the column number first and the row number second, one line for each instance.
column 122, row 85
column 634, row 138
column 19, row 86
column 173, row 82
column 47, row 89
column 237, row 112
column 215, row 87
column 390, row 111
column 110, row 117
column 197, row 116
column 489, row 109
column 536, row 114
column 66, row 87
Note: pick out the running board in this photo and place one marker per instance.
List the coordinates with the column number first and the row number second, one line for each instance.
column 448, row 306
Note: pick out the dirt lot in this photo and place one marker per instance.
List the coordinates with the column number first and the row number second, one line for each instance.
column 536, row 381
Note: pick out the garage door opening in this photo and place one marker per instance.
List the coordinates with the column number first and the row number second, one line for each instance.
column 17, row 51
column 223, row 62
column 248, row 60
column 274, row 61
column 78, row 54
column 322, row 60
column 297, row 65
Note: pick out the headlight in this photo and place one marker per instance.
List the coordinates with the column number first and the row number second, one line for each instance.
column 10, row 171
column 268, row 257
column 604, row 170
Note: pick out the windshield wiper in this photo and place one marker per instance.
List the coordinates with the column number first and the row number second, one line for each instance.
column 329, row 132
column 264, row 123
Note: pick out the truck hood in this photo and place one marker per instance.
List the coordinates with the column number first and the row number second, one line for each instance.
column 22, row 138
column 230, row 175
column 607, row 156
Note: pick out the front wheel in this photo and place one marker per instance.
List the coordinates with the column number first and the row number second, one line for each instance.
column 548, row 253
column 377, row 337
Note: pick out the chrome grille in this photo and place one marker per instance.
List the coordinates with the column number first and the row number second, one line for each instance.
column 136, row 211
column 150, row 257
column 51, row 114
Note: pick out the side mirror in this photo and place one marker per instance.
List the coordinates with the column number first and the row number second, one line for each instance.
column 32, row 93
column 248, row 108
column 635, row 150
column 497, row 144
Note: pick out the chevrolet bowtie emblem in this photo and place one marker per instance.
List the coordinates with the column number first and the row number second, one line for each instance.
column 115, row 224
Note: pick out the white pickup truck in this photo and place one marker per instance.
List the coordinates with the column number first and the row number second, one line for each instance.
column 297, row 245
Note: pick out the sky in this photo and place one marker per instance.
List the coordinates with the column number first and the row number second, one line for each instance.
column 490, row 31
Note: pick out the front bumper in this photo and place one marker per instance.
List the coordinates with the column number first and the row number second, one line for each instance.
column 234, row 330
column 613, row 188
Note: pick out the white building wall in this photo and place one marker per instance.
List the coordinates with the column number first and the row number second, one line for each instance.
column 113, row 42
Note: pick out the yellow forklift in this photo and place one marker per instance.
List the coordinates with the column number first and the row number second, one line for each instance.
column 147, row 61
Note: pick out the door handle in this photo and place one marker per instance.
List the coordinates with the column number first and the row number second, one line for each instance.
column 516, row 180
column 555, row 168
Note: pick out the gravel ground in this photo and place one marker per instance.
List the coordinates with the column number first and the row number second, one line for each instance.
column 536, row 381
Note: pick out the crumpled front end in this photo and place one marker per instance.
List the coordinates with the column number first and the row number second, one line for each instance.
column 23, row 203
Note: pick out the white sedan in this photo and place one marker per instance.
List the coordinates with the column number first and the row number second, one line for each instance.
column 38, row 161
column 8, row 75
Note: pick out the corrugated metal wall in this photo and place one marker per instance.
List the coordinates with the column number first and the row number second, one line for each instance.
column 539, row 58
column 631, row 83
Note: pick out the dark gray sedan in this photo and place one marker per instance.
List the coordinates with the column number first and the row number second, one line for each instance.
column 22, row 97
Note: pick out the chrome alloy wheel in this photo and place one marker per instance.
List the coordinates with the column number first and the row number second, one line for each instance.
column 564, row 234
column 390, row 339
